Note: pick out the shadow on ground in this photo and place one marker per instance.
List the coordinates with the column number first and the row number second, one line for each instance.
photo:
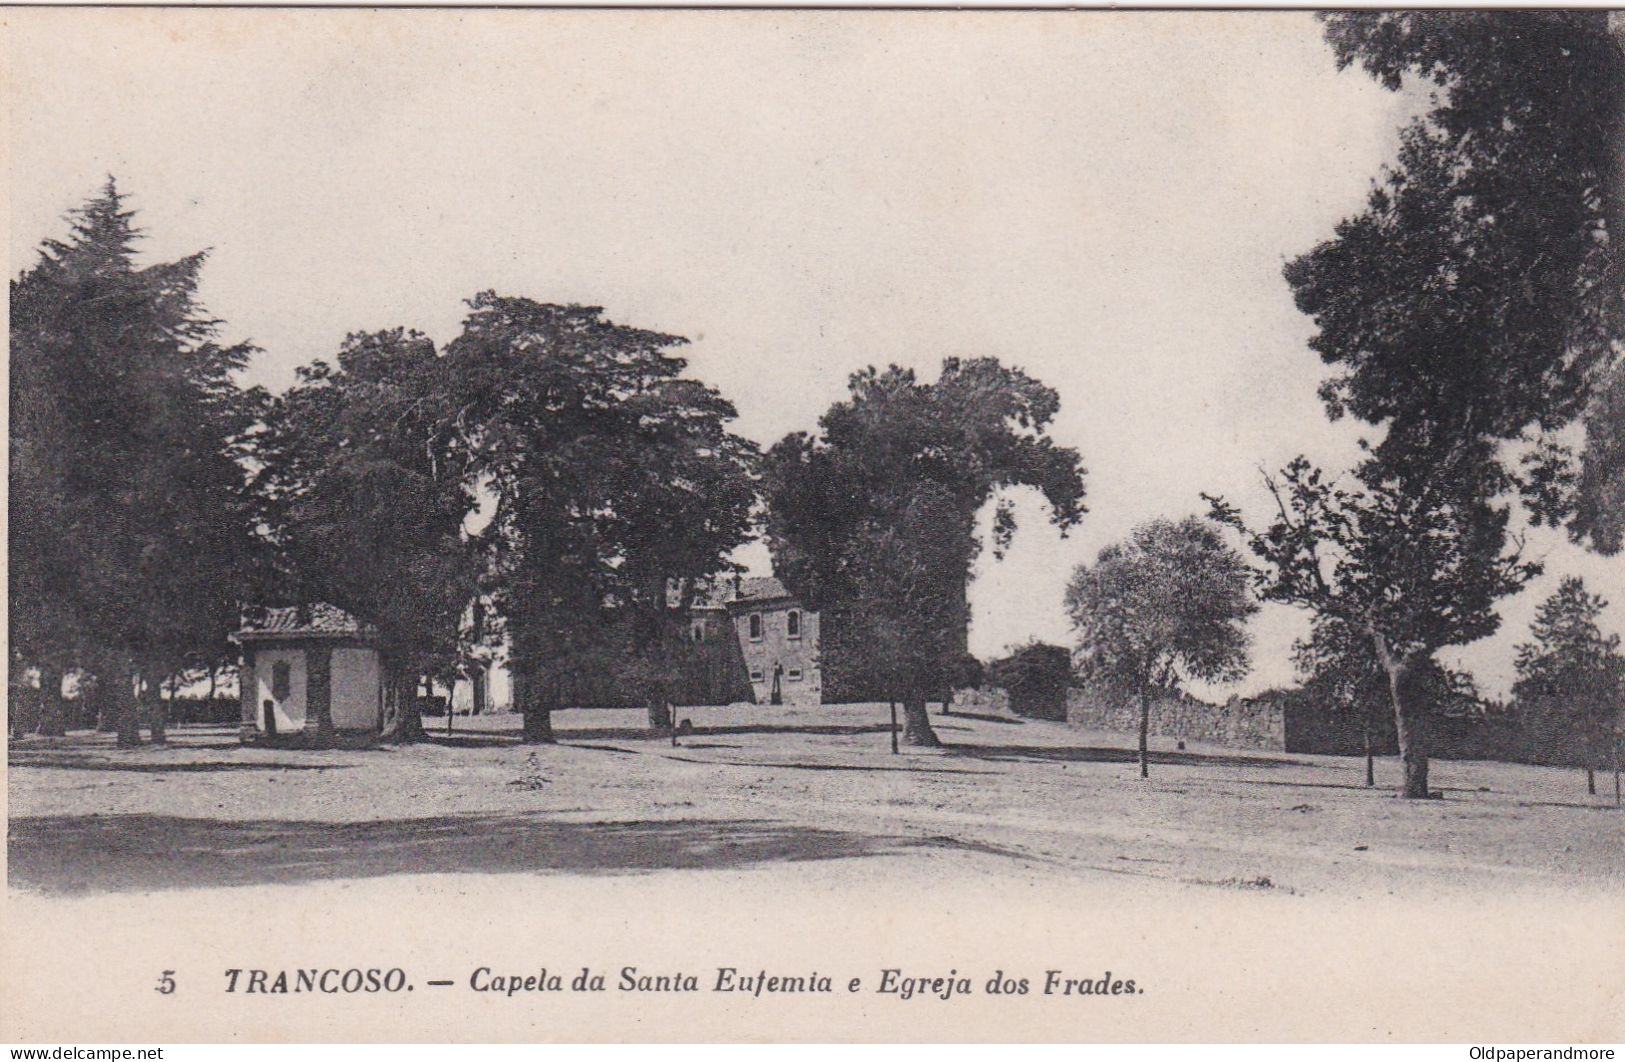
column 118, row 853
column 181, row 737
column 68, row 761
column 1098, row 754
column 910, row 768
column 461, row 740
column 1610, row 806
column 474, row 735
column 981, row 716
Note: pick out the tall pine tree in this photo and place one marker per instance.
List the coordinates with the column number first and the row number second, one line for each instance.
column 131, row 528
column 1571, row 676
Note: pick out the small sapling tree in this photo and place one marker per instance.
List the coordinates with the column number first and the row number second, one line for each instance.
column 1168, row 604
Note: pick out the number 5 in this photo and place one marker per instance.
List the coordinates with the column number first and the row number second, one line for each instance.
column 166, row 983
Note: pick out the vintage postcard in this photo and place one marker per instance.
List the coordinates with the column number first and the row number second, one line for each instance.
column 814, row 525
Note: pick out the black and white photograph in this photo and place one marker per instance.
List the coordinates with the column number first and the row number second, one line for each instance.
column 795, row 525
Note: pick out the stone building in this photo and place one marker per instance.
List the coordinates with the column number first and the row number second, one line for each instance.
column 310, row 674
column 777, row 638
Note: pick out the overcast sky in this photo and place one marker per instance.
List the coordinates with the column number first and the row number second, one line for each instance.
column 1105, row 200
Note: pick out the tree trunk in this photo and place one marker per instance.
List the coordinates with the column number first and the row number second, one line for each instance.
column 1413, row 757
column 658, row 650
column 536, row 706
column 1145, row 731
column 403, row 722
column 894, row 726
column 1616, row 771
column 52, row 710
column 411, row 729
column 107, row 700
column 948, row 702
column 538, row 728
column 319, row 731
column 25, row 709
column 1370, row 763
column 917, row 724
column 1591, row 780
column 152, row 706
column 125, row 711
column 659, row 710
column 1410, row 719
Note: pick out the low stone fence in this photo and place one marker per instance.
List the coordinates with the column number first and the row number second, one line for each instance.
column 1245, row 724
column 1289, row 721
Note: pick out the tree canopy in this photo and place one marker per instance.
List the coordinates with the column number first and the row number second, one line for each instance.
column 1471, row 310
column 899, row 629
column 1414, row 564
column 911, row 464
column 1338, row 663
column 1481, row 293
column 1570, row 668
column 1036, row 677
column 132, row 532
column 1169, row 603
column 366, row 496
column 617, row 486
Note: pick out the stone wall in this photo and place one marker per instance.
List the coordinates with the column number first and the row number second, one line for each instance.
column 1313, row 728
column 1486, row 735
column 1245, row 724
column 1289, row 721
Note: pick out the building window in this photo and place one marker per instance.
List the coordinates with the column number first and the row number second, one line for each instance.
column 794, row 674
column 792, row 623
column 755, row 674
column 755, row 626
column 698, row 633
column 281, row 680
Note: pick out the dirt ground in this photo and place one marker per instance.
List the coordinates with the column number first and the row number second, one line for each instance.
column 754, row 787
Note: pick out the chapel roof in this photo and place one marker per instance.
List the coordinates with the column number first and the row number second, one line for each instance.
column 317, row 620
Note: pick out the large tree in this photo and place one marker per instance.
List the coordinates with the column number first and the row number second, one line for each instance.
column 1166, row 605
column 618, row 490
column 1599, row 482
column 897, row 446
column 366, row 495
column 1481, row 293
column 131, row 525
column 900, row 628
column 1415, row 563
column 1474, row 305
column 1573, row 670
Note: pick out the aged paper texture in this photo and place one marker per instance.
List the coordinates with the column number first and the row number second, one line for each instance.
column 402, row 652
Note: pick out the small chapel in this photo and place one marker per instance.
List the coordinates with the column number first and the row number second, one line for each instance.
column 311, row 674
